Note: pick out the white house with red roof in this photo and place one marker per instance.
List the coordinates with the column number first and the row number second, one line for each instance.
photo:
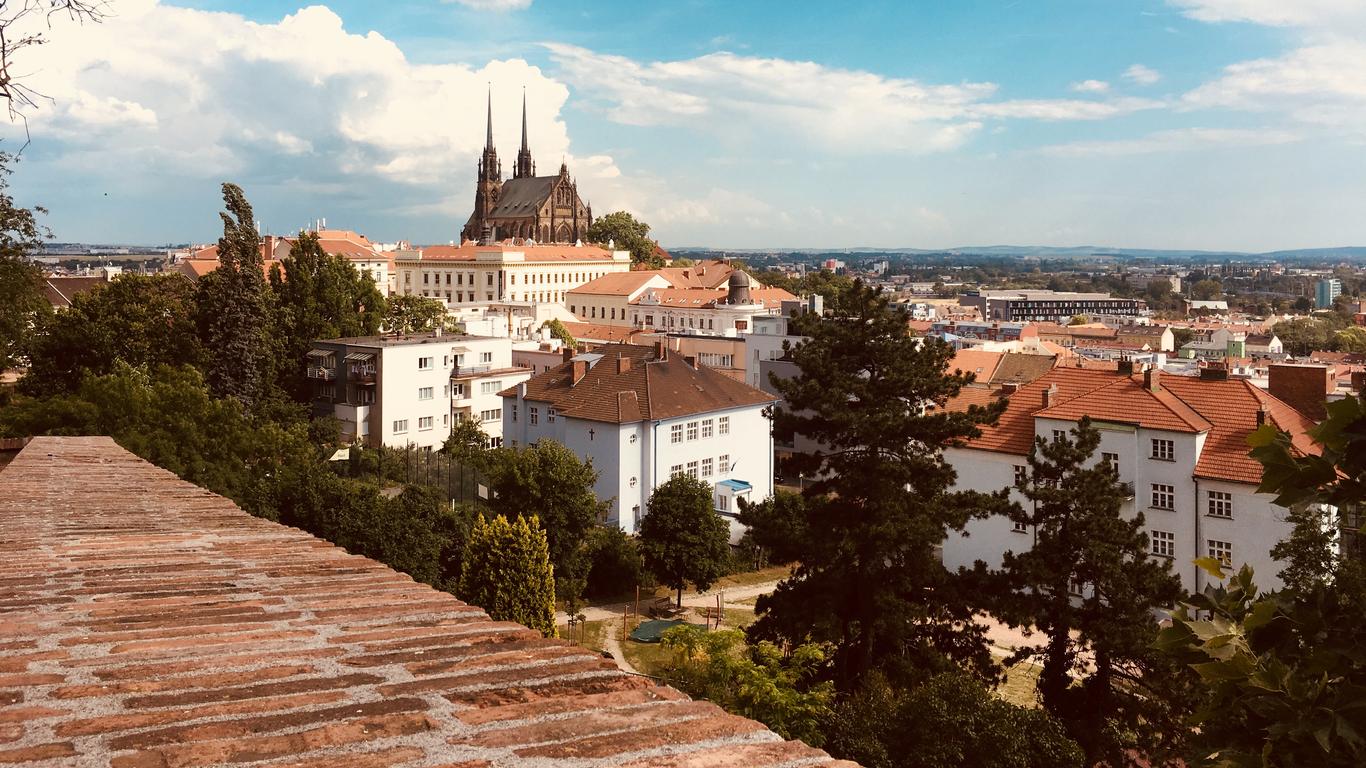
column 644, row 414
column 710, row 299
column 1179, row 444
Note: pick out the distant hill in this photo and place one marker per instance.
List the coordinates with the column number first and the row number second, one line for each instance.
column 1350, row 253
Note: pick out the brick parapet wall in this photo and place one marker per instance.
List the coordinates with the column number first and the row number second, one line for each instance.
column 147, row 622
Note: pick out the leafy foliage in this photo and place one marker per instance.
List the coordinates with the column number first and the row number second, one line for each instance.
column 870, row 581
column 682, row 539
column 1097, row 656
column 141, row 320
column 557, row 330
column 783, row 691
column 507, row 572
column 949, row 721
column 467, row 443
column 778, row 524
column 22, row 298
column 625, row 233
column 410, row 313
column 318, row 296
column 234, row 313
column 612, row 563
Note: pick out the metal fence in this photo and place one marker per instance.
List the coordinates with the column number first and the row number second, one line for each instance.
column 385, row 466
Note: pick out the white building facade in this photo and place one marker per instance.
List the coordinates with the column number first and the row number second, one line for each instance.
column 410, row 390
column 472, row 274
column 642, row 415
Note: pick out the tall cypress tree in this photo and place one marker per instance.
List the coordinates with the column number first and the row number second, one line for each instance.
column 870, row 580
column 507, row 572
column 1089, row 586
column 234, row 311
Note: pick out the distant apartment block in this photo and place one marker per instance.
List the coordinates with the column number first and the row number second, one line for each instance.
column 410, row 390
column 1054, row 306
column 1325, row 291
column 1143, row 281
column 479, row 274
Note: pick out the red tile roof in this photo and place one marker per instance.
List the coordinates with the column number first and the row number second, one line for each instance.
column 533, row 253
column 602, row 332
column 648, row 389
column 1225, row 410
column 981, row 364
column 147, row 622
column 61, row 290
column 615, row 284
column 706, row 298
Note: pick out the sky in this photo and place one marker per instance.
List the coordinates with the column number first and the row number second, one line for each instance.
column 1206, row 124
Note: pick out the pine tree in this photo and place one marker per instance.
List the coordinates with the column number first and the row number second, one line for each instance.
column 1089, row 586
column 234, row 310
column 507, row 572
column 682, row 539
column 870, row 580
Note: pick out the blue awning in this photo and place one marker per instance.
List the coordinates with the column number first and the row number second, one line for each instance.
column 736, row 485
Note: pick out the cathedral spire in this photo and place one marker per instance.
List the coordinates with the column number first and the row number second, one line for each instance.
column 525, row 168
column 488, row 142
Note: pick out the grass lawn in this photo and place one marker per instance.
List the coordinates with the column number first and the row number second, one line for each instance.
column 750, row 578
column 1018, row 687
column 591, row 634
column 647, row 658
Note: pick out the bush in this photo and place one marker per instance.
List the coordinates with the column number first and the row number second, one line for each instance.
column 612, row 562
column 507, row 572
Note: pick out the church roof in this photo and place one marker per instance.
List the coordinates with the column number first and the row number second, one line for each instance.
column 522, row 197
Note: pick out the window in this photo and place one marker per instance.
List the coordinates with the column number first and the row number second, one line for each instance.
column 1164, row 496
column 424, row 393
column 485, row 357
column 550, row 415
column 1110, row 460
column 1221, row 551
column 1059, row 435
column 495, row 414
column 723, row 463
column 1220, row 504
column 723, row 425
column 676, row 470
column 706, row 467
column 708, row 426
column 692, row 469
column 723, row 503
column 490, row 278
column 445, row 419
column 1162, row 543
column 424, row 422
column 1164, row 450
column 676, row 433
column 400, row 426
column 692, row 431
column 1021, row 474
column 633, row 482
column 490, row 387
column 1019, row 527
column 514, row 412
column 458, row 391
column 424, row 363
column 534, row 413
column 497, row 442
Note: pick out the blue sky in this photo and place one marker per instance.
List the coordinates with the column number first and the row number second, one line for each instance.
column 1148, row 123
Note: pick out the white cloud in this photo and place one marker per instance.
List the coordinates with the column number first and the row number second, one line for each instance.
column 1090, row 86
column 1319, row 84
column 1276, row 13
column 210, row 95
column 1177, row 140
column 494, row 5
column 1141, row 75
column 840, row 110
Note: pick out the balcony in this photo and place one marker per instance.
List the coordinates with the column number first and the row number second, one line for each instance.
column 321, row 373
column 361, row 374
column 1126, row 490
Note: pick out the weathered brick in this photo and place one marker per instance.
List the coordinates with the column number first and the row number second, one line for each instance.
column 692, row 731
column 125, row 722
column 40, row 752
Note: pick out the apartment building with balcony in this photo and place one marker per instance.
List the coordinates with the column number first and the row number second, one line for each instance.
column 410, row 390
column 1179, row 446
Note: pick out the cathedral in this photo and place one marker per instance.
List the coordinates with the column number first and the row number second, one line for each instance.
column 546, row 209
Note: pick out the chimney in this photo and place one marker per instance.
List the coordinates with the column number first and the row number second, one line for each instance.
column 1214, row 372
column 1304, row 387
column 1050, row 395
column 623, row 364
column 1152, row 379
column 691, row 360
column 578, row 371
column 1126, row 367
column 567, row 353
column 1261, row 416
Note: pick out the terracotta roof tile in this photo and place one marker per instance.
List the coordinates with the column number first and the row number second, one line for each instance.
column 1020, row 368
column 661, row 389
column 602, row 332
column 147, row 622
column 981, row 364
column 61, row 290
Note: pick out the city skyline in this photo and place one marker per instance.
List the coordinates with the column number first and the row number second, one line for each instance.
column 1188, row 124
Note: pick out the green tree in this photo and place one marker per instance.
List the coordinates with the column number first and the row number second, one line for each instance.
column 557, row 330
column 682, row 539
column 410, row 313
column 1096, row 654
column 1302, row 335
column 467, row 443
column 138, row 319
column 23, row 301
column 951, row 720
column 1207, row 290
column 234, row 310
column 612, row 564
column 778, row 524
column 870, row 580
column 507, row 572
column 1350, row 340
column 623, row 232
column 318, row 296
column 548, row 481
column 784, row 691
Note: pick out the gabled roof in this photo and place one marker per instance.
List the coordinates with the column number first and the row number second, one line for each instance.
column 601, row 332
column 1225, row 411
column 1021, row 368
column 649, row 389
column 618, row 284
column 981, row 364
column 61, row 290
column 712, row 273
column 197, row 268
column 522, row 197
